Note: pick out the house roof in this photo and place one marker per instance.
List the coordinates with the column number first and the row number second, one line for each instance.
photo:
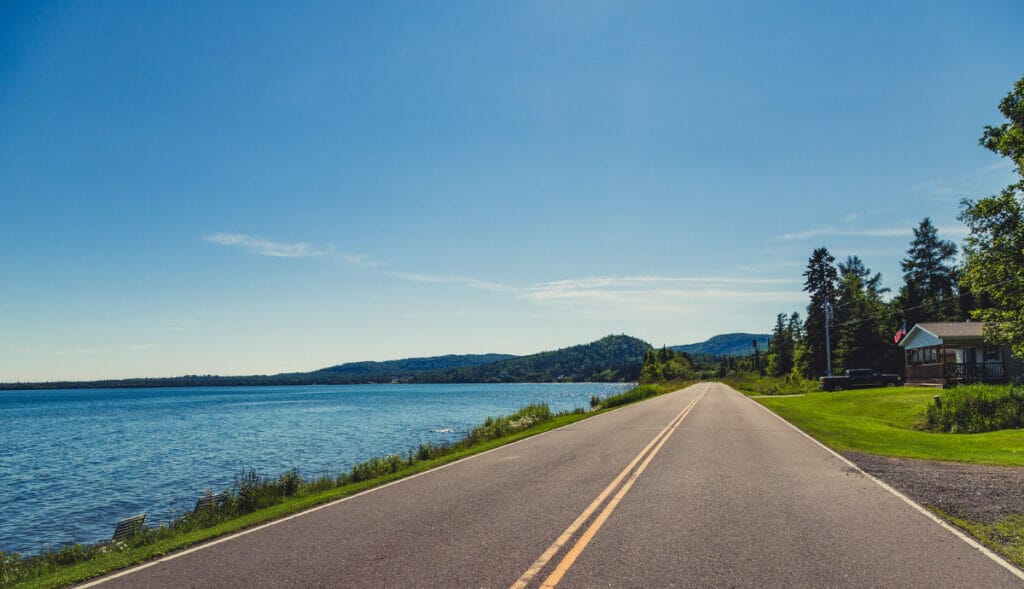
column 953, row 329
column 927, row 334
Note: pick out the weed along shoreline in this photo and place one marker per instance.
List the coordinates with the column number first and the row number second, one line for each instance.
column 256, row 500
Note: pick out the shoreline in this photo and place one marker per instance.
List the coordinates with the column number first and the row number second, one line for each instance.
column 97, row 559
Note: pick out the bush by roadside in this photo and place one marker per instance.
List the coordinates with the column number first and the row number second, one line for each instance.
column 972, row 409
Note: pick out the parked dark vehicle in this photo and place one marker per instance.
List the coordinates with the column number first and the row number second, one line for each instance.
column 859, row 378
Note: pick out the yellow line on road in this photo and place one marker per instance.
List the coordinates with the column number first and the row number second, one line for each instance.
column 567, row 562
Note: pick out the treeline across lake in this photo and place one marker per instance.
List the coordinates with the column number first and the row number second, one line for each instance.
column 614, row 358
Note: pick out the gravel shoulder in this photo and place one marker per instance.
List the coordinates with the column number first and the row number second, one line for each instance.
column 980, row 493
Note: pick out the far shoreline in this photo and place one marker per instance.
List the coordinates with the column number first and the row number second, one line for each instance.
column 205, row 382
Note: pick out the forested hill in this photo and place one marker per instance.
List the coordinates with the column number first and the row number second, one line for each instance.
column 614, row 358
column 728, row 344
column 385, row 371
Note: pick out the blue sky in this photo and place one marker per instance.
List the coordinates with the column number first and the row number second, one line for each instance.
column 250, row 188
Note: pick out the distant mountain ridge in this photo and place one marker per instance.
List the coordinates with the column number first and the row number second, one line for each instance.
column 366, row 371
column 615, row 358
column 727, row 344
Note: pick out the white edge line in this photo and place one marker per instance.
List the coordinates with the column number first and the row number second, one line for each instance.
column 204, row 545
column 917, row 506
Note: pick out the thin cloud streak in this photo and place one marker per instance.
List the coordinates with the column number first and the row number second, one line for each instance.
column 451, row 279
column 832, row 231
column 640, row 293
column 889, row 232
column 277, row 249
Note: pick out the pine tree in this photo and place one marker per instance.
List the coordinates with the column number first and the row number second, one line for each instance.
column 929, row 277
column 862, row 334
column 820, row 280
column 780, row 348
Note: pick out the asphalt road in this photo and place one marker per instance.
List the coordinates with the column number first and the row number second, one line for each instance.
column 702, row 487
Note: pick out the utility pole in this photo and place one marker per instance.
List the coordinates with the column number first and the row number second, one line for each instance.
column 757, row 358
column 828, row 338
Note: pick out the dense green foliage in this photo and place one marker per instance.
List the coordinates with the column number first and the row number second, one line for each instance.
column 977, row 408
column 863, row 323
column 726, row 344
column 614, row 358
column 665, row 365
column 787, row 335
column 361, row 372
column 994, row 249
column 864, row 337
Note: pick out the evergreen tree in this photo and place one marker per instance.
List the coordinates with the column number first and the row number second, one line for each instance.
column 780, row 347
column 820, row 280
column 929, row 277
column 863, row 338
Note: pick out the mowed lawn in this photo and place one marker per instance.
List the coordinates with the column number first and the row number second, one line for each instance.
column 883, row 421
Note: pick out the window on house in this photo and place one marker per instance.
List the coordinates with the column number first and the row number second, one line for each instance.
column 992, row 354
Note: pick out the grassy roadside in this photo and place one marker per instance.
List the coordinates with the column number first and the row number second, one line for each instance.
column 885, row 422
column 1005, row 536
column 106, row 560
column 772, row 385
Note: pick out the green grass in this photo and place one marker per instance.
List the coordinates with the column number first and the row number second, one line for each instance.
column 772, row 385
column 885, row 422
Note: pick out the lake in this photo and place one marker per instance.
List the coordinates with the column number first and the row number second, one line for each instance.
column 74, row 462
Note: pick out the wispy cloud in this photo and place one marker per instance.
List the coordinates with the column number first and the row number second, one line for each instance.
column 451, row 279
column 973, row 183
column 278, row 249
column 1004, row 164
column 833, row 231
column 648, row 291
column 636, row 293
column 140, row 347
column 79, row 352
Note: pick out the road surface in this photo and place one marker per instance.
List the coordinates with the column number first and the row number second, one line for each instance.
column 701, row 487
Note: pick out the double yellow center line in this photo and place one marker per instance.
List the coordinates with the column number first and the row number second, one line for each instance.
column 633, row 472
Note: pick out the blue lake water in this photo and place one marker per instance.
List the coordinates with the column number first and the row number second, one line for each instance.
column 74, row 462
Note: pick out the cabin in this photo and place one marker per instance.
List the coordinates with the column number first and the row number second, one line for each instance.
column 952, row 353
